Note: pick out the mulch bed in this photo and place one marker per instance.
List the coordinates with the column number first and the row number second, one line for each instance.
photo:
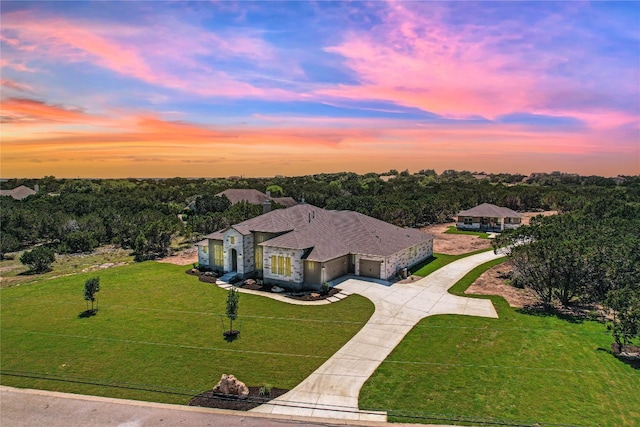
column 255, row 286
column 315, row 296
column 301, row 296
column 202, row 276
column 209, row 399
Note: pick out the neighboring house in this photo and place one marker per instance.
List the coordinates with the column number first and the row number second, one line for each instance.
column 488, row 217
column 303, row 246
column 255, row 197
column 20, row 192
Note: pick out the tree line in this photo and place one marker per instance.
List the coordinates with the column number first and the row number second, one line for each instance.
column 145, row 215
column 588, row 256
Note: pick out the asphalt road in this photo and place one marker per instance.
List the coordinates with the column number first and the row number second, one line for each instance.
column 39, row 408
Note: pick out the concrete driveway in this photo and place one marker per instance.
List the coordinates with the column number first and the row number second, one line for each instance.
column 332, row 390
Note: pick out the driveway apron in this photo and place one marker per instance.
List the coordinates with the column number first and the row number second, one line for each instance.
column 332, row 390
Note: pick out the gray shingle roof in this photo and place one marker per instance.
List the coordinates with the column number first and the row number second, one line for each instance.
column 255, row 197
column 330, row 234
column 490, row 211
column 18, row 193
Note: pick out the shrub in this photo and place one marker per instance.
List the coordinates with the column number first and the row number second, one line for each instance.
column 265, row 391
column 325, row 288
column 38, row 260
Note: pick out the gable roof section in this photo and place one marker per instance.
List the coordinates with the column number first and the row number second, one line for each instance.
column 490, row 211
column 255, row 197
column 330, row 234
column 285, row 201
column 18, row 193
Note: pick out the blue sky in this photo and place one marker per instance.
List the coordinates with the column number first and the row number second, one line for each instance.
column 263, row 88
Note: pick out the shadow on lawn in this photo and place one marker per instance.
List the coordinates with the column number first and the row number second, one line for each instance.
column 633, row 361
column 88, row 313
column 576, row 314
column 231, row 336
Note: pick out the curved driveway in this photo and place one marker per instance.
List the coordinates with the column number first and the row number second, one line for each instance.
column 332, row 390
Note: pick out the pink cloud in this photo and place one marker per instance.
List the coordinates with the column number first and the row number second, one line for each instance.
column 5, row 63
column 415, row 59
column 165, row 55
column 11, row 84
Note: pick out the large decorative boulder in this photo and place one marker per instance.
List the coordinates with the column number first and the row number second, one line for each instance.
column 230, row 385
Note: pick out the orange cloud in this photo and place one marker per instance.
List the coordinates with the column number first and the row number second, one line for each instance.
column 20, row 110
column 144, row 144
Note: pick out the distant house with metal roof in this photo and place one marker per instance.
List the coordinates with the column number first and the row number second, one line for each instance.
column 255, row 197
column 19, row 193
column 303, row 246
column 488, row 217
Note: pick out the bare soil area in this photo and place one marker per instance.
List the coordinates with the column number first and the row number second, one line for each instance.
column 493, row 282
column 454, row 244
column 185, row 257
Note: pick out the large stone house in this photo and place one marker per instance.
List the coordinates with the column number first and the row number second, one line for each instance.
column 303, row 246
column 488, row 217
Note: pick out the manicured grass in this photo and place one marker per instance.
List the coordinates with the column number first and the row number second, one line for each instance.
column 438, row 261
column 519, row 367
column 454, row 230
column 158, row 328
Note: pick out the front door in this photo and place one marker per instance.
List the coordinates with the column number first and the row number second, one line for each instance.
column 234, row 260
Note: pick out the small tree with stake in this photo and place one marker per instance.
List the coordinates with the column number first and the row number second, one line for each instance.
column 91, row 286
column 232, row 311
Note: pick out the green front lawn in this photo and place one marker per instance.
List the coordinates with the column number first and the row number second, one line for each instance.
column 160, row 329
column 519, row 367
column 454, row 230
column 437, row 261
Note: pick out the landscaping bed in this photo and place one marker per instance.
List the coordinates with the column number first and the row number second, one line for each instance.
column 258, row 285
column 209, row 399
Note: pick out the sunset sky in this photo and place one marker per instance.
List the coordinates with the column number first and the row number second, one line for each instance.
column 208, row 89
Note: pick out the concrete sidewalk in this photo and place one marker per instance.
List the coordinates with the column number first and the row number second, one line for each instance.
column 332, row 390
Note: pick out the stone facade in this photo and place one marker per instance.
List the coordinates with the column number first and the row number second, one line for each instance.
column 297, row 267
column 407, row 258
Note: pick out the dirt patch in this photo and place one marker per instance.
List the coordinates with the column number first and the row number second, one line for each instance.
column 185, row 257
column 493, row 282
column 209, row 399
column 454, row 244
